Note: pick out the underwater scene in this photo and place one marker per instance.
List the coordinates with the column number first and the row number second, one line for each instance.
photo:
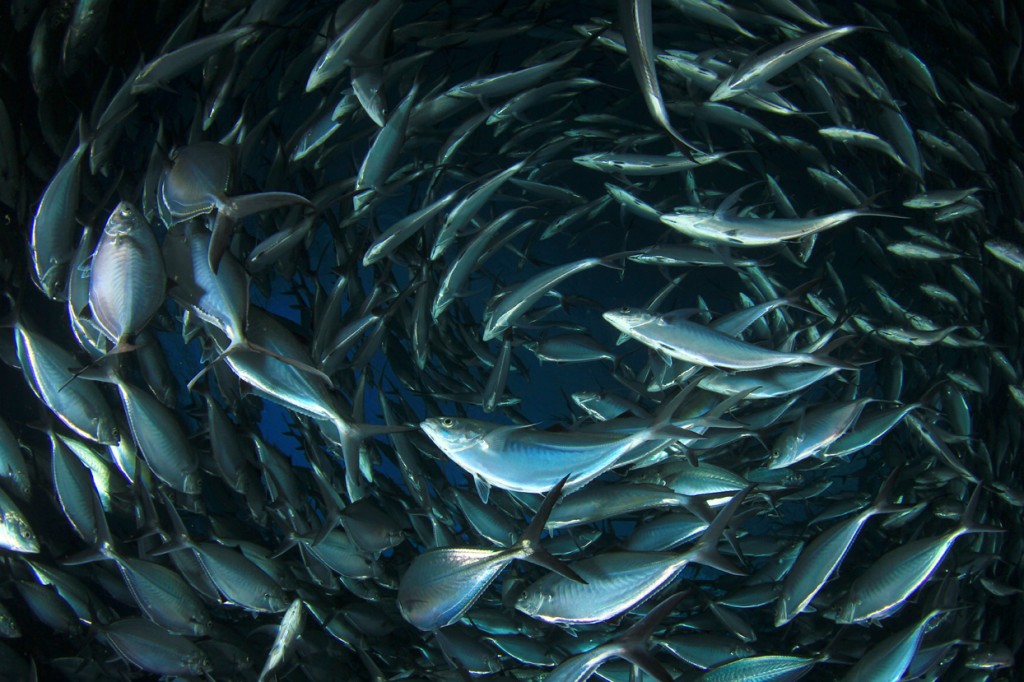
column 623, row 340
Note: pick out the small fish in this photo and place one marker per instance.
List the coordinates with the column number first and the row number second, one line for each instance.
column 883, row 588
column 126, row 287
column 442, row 584
column 939, row 198
column 701, row 345
column 821, row 557
column 637, row 33
column 759, row 68
column 15, row 533
column 292, row 623
column 151, row 648
column 1007, row 252
column 614, row 582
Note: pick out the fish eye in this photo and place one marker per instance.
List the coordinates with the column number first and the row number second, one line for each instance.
column 625, row 310
column 447, row 422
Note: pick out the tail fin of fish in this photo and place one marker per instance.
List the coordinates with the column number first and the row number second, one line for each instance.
column 358, row 466
column 969, row 522
column 633, row 641
column 529, row 542
column 705, row 552
column 239, row 207
column 883, row 503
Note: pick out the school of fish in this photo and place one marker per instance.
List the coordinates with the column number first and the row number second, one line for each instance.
column 527, row 340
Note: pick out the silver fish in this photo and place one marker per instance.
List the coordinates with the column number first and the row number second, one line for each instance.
column 442, row 584
column 821, row 557
column 761, row 67
column 884, row 587
column 617, row 581
column 126, row 287
column 701, row 345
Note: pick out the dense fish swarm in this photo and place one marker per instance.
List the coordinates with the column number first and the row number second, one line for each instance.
column 386, row 339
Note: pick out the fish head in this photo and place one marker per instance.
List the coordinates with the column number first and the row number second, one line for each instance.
column 192, row 484
column 123, row 221
column 846, row 612
column 627, row 319
column 106, row 432
column 273, row 601
column 784, row 450
column 453, row 435
column 534, row 600
column 727, row 89
column 52, row 275
column 591, row 161
column 18, row 534
column 201, row 623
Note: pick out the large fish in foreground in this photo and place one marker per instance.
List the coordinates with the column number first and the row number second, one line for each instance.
column 528, row 460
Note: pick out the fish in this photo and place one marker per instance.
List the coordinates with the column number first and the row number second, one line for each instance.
column 614, row 582
column 153, row 649
column 750, row 232
column 823, row 555
column 761, row 67
column 78, row 404
column 884, row 587
column 53, row 225
column 308, row 311
column 541, row 458
column 16, row 534
column 637, row 29
column 443, row 583
column 691, row 342
column 127, row 281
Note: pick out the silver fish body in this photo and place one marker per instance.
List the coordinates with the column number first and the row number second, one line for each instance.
column 127, row 284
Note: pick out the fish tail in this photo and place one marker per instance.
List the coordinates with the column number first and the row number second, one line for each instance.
column 797, row 298
column 706, row 552
column 97, row 370
column 232, row 348
column 297, row 364
column 245, row 205
column 357, row 464
column 529, row 542
column 969, row 522
column 634, row 640
column 220, row 240
column 883, row 502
